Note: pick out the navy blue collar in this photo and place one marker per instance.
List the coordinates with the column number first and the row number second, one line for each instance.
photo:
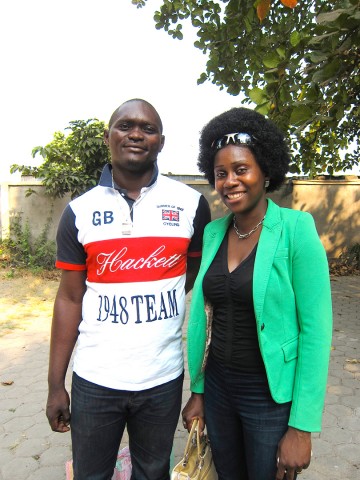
column 106, row 180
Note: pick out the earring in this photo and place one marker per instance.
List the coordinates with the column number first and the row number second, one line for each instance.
column 267, row 183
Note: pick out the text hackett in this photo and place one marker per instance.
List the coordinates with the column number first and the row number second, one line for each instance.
column 132, row 260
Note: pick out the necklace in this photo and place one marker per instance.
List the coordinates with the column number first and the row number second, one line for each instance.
column 242, row 236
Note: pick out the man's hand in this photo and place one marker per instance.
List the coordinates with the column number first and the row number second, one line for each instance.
column 293, row 454
column 57, row 410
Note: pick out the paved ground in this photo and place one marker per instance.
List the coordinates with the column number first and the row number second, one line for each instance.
column 30, row 451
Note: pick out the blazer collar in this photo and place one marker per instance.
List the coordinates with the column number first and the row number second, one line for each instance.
column 272, row 218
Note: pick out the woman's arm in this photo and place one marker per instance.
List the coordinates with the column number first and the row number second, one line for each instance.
column 311, row 285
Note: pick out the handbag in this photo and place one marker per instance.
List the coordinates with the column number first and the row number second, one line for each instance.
column 197, row 462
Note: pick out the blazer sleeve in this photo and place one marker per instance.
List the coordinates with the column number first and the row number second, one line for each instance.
column 311, row 285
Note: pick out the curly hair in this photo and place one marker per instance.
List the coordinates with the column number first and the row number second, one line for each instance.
column 270, row 147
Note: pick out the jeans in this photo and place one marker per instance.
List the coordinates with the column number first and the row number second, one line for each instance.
column 98, row 419
column 244, row 424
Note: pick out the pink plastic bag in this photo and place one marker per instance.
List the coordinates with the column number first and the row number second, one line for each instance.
column 123, row 465
column 122, row 469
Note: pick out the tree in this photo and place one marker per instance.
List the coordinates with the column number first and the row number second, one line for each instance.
column 300, row 66
column 73, row 163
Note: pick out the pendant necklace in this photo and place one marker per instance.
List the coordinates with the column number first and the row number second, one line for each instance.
column 242, row 236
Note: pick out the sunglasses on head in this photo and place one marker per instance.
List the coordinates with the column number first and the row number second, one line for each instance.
column 235, row 138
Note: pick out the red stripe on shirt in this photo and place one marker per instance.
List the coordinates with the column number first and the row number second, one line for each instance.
column 69, row 266
column 146, row 259
column 194, row 254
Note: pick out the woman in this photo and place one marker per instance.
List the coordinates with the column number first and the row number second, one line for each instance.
column 260, row 321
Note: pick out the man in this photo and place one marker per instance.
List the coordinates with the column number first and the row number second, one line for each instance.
column 129, row 249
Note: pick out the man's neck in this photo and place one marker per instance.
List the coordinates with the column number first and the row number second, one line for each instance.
column 132, row 182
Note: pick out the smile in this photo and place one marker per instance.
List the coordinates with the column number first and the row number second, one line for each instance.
column 135, row 147
column 234, row 196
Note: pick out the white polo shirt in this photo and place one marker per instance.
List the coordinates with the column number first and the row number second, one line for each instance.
column 130, row 336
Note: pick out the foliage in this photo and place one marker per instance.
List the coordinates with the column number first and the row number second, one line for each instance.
column 73, row 163
column 300, row 67
column 348, row 262
column 20, row 250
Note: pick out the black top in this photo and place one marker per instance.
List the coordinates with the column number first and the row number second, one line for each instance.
column 234, row 341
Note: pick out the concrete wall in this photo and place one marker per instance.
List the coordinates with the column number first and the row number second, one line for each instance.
column 36, row 209
column 335, row 205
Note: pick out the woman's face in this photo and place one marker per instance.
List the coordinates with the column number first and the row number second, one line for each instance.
column 239, row 180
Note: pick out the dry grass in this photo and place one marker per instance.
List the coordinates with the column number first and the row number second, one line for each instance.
column 24, row 298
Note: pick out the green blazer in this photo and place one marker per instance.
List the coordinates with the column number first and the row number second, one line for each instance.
column 292, row 303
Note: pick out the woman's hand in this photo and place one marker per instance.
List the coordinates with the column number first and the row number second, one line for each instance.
column 194, row 409
column 293, row 454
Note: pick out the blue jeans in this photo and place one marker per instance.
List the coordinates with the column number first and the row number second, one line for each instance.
column 244, row 424
column 98, row 419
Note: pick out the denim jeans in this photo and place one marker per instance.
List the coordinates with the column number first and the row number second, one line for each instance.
column 244, row 424
column 98, row 419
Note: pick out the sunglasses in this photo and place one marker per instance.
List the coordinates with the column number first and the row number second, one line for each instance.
column 235, row 138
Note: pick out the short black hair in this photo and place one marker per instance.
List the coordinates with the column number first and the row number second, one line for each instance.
column 270, row 147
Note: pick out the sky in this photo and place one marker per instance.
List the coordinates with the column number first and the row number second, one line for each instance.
column 78, row 59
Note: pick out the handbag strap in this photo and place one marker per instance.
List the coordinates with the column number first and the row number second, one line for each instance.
column 194, row 429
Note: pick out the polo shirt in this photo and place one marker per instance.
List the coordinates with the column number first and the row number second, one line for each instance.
column 130, row 336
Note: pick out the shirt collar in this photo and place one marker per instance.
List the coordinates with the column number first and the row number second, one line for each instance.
column 106, row 179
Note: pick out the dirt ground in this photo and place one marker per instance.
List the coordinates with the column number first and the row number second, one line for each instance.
column 25, row 298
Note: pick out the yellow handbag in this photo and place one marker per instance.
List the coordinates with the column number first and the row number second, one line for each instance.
column 197, row 462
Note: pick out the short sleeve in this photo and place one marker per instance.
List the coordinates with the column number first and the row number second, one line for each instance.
column 70, row 252
column 202, row 218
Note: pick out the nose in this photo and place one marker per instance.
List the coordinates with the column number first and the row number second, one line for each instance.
column 231, row 180
column 135, row 134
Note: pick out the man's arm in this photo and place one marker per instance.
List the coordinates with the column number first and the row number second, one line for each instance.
column 64, row 332
column 193, row 265
column 202, row 218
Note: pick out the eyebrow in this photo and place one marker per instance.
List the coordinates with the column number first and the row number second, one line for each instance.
column 235, row 163
column 138, row 121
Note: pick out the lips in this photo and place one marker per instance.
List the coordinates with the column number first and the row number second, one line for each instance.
column 234, row 196
column 135, row 147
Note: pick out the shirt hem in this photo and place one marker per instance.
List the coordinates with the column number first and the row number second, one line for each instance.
column 118, row 385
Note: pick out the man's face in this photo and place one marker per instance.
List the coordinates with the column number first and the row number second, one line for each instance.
column 134, row 137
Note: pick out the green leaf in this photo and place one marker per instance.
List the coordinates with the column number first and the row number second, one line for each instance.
column 203, row 77
column 295, row 38
column 264, row 109
column 300, row 115
column 320, row 38
column 257, row 95
column 318, row 56
column 327, row 73
column 271, row 60
column 281, row 51
column 329, row 17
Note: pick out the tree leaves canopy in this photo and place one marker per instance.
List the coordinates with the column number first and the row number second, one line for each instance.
column 300, row 66
column 72, row 163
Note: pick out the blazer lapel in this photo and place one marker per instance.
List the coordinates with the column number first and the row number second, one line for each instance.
column 268, row 242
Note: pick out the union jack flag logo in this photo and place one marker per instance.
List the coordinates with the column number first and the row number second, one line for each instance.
column 171, row 215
